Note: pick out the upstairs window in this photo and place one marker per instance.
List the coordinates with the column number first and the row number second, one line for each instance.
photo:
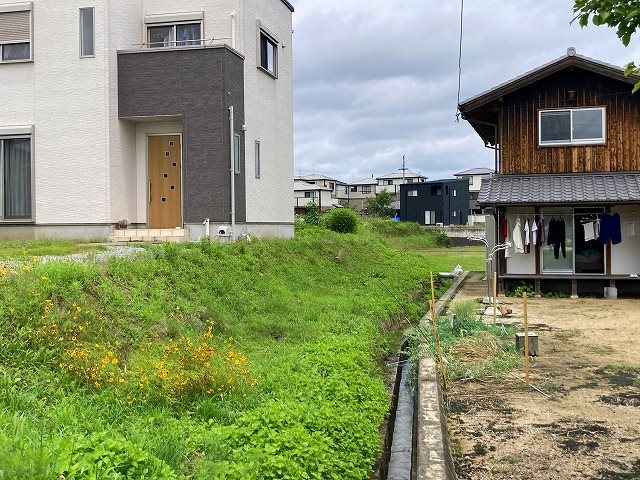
column 412, row 193
column 183, row 35
column 87, row 32
column 15, row 33
column 574, row 126
column 366, row 189
column 268, row 54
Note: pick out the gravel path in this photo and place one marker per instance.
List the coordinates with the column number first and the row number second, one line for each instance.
column 115, row 251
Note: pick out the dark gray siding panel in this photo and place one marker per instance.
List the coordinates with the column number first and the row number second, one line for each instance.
column 200, row 85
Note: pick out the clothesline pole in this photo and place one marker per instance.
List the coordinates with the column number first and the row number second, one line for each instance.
column 495, row 303
column 526, row 340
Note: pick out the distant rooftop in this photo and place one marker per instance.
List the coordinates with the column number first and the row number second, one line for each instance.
column 407, row 174
column 474, row 171
column 366, row 181
column 301, row 186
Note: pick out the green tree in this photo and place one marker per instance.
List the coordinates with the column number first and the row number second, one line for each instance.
column 624, row 15
column 380, row 206
column 312, row 215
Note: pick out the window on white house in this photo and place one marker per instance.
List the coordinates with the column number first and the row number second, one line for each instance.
column 257, row 159
column 268, row 54
column 87, row 32
column 332, row 185
column 454, row 192
column 572, row 126
column 409, row 180
column 236, row 153
column 15, row 34
column 174, row 35
column 388, row 182
column 412, row 193
column 430, row 217
column 309, row 195
column 366, row 189
column 470, row 180
column 15, row 178
column 354, row 188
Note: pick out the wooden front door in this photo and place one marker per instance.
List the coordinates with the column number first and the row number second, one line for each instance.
column 164, row 158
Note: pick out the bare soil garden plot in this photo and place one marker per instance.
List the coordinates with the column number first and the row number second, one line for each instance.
column 589, row 364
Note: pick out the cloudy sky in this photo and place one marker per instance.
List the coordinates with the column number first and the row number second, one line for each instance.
column 378, row 79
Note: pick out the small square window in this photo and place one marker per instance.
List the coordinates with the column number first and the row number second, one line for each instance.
column 412, row 193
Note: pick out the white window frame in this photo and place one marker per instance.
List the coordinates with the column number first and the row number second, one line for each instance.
column 412, row 193
column 430, row 215
column 257, row 159
column 237, row 153
column 19, row 7
column 366, row 189
column 470, row 180
column 93, row 39
column 174, row 24
column 10, row 133
column 582, row 141
column 270, row 41
column 454, row 192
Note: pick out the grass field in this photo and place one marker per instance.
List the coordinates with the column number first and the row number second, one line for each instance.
column 258, row 360
column 39, row 248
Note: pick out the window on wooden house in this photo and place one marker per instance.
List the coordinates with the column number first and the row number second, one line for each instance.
column 574, row 126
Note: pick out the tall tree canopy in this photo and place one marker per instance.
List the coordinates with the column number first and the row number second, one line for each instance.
column 624, row 15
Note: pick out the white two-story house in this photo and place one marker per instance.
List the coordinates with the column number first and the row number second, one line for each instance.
column 158, row 114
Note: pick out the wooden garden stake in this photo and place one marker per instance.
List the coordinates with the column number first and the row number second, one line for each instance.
column 436, row 335
column 495, row 303
column 526, row 340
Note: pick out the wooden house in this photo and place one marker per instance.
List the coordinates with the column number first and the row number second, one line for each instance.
column 566, row 187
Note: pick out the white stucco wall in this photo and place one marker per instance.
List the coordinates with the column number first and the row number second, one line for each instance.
column 625, row 257
column 268, row 115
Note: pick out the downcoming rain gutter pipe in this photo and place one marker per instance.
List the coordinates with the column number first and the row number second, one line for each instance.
column 487, row 145
column 233, row 175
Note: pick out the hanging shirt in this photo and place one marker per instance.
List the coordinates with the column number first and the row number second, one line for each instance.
column 541, row 232
column 505, row 228
column 527, row 238
column 517, row 237
column 534, row 233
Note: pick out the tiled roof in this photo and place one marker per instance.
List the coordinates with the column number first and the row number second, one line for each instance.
column 560, row 189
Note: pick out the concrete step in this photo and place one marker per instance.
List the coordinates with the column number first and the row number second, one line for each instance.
column 175, row 235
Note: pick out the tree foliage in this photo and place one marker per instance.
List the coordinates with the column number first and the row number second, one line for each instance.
column 624, row 15
column 380, row 206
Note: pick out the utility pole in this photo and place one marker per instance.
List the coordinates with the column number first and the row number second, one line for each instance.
column 404, row 168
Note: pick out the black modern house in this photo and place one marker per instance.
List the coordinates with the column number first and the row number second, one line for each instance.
column 443, row 202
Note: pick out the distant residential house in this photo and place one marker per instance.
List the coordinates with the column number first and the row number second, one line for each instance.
column 339, row 190
column 566, row 193
column 440, row 202
column 305, row 193
column 360, row 191
column 392, row 181
column 474, row 176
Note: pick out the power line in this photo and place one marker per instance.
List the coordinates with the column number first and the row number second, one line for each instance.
column 460, row 60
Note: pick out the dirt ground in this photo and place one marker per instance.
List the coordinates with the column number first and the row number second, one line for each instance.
column 589, row 428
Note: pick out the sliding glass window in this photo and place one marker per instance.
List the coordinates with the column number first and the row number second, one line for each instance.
column 15, row 179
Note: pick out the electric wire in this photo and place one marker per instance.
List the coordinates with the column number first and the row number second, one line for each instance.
column 460, row 60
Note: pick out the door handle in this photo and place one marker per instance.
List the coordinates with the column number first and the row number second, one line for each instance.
column 149, row 192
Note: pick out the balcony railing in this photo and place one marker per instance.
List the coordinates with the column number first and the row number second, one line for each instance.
column 183, row 43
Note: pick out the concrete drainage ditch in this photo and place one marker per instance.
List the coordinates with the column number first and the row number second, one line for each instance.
column 416, row 445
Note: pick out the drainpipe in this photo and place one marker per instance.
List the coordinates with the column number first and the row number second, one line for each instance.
column 233, row 175
column 233, row 30
column 487, row 145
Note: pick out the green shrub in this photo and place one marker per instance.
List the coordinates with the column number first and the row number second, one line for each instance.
column 341, row 220
column 465, row 309
column 312, row 217
column 442, row 239
column 521, row 289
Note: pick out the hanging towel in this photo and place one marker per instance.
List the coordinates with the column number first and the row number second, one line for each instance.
column 517, row 237
column 505, row 228
column 631, row 229
column 589, row 231
column 534, row 233
column 527, row 238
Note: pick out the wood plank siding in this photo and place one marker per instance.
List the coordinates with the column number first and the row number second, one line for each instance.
column 518, row 121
